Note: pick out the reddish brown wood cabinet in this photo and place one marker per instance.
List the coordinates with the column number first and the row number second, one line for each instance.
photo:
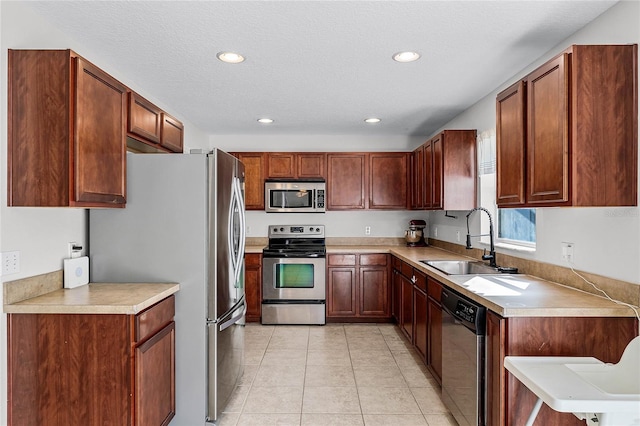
column 296, row 165
column 434, row 324
column 388, row 180
column 358, row 287
column 347, row 181
column 443, row 173
column 367, row 181
column 254, row 169
column 508, row 401
column 148, row 124
column 83, row 369
column 67, row 129
column 253, row 286
column 567, row 134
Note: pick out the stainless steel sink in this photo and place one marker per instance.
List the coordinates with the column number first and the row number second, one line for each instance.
column 461, row 267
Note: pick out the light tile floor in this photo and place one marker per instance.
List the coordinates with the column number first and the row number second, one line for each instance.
column 337, row 374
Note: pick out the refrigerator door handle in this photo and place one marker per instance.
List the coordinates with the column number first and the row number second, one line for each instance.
column 234, row 319
column 237, row 202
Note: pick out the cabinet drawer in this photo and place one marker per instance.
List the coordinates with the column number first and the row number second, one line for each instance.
column 153, row 319
column 341, row 260
column 407, row 270
column 252, row 259
column 373, row 260
column 434, row 290
column 421, row 280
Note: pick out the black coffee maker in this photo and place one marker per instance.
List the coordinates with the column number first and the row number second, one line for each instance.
column 415, row 234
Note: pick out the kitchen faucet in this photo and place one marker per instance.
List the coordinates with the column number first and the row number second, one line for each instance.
column 491, row 257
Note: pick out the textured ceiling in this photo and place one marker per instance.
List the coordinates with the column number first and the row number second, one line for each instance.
column 318, row 67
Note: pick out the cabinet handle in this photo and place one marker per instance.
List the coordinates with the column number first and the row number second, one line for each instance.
column 413, row 279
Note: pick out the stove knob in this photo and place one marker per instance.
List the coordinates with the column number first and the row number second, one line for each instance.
column 281, row 229
column 275, row 229
column 310, row 229
column 317, row 229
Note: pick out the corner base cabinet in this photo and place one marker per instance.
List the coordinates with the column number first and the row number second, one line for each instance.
column 89, row 369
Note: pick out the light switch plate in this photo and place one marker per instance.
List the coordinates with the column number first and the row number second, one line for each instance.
column 76, row 272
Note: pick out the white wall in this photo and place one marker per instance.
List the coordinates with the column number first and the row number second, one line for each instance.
column 606, row 240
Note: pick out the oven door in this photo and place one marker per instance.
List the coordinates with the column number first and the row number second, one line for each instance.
column 293, row 278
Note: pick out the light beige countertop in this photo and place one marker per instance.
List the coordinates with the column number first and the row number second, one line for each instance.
column 513, row 295
column 97, row 298
column 253, row 249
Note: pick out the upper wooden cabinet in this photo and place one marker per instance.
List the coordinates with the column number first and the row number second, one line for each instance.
column 443, row 172
column 67, row 129
column 149, row 124
column 388, row 180
column 254, row 169
column 347, row 175
column 376, row 180
column 292, row 165
column 567, row 134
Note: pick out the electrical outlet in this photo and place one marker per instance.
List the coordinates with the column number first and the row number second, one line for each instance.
column 458, row 236
column 367, row 230
column 567, row 252
column 435, row 231
column 10, row 262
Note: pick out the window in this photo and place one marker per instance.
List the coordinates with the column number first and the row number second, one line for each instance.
column 517, row 225
column 513, row 226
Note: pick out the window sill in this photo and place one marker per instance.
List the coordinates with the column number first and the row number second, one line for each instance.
column 512, row 247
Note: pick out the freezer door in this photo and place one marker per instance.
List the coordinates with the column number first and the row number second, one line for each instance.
column 225, row 359
column 226, row 235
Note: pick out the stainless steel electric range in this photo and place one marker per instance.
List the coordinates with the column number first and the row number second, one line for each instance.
column 293, row 280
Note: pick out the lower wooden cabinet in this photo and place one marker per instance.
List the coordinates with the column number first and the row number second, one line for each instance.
column 420, row 324
column 253, row 286
column 508, row 400
column 87, row 369
column 434, row 321
column 358, row 287
column 406, row 307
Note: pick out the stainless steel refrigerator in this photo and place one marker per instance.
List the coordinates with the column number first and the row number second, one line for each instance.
column 184, row 223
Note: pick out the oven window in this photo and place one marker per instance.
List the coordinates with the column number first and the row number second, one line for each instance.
column 296, row 275
column 291, row 198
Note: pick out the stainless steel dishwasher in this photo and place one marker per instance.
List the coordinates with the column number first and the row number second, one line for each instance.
column 463, row 332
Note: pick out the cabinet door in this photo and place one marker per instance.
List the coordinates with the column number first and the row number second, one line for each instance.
column 347, row 181
column 172, row 133
column 406, row 308
column 253, row 286
column 417, row 179
column 281, row 165
column 434, row 351
column 427, row 201
column 388, row 180
column 437, row 173
column 311, row 165
column 373, row 289
column 396, row 286
column 548, row 133
column 144, row 118
column 155, row 366
column 495, row 374
column 341, row 292
column 254, row 179
column 510, row 146
column 100, row 137
column 420, row 322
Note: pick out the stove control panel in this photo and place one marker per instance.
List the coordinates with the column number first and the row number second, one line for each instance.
column 296, row 231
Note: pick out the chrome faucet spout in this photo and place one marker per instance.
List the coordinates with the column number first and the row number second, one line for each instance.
column 491, row 257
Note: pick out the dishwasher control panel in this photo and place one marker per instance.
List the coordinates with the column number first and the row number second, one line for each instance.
column 464, row 310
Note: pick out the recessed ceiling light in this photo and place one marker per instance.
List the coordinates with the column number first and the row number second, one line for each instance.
column 230, row 57
column 372, row 120
column 265, row 120
column 406, row 56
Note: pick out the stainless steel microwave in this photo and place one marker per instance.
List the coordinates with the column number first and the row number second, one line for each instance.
column 294, row 196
